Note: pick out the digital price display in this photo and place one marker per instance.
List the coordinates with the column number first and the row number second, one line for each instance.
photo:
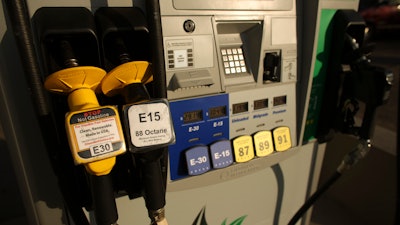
column 243, row 148
column 193, row 116
column 217, row 112
column 282, row 138
column 261, row 104
column 240, row 107
column 221, row 154
column 197, row 160
column 280, row 100
column 263, row 143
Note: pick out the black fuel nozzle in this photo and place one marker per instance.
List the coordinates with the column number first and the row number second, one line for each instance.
column 363, row 82
column 134, row 92
column 125, row 40
column 128, row 80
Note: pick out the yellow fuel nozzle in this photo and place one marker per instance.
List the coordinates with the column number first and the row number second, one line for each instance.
column 135, row 72
column 89, row 141
column 79, row 83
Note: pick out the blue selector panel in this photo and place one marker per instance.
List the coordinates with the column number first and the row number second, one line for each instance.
column 198, row 122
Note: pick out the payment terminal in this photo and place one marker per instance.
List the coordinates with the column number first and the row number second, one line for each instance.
column 231, row 81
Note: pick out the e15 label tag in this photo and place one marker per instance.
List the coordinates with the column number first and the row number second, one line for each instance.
column 282, row 139
column 150, row 124
column 243, row 148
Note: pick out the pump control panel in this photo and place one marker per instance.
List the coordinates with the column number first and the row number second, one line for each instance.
column 231, row 81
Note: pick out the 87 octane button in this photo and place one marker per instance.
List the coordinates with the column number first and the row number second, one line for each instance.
column 197, row 160
column 243, row 148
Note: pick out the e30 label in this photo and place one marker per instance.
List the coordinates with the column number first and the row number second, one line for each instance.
column 95, row 134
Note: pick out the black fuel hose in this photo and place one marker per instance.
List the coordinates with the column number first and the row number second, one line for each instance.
column 397, row 216
column 361, row 149
column 18, row 13
column 310, row 201
column 153, row 181
column 20, row 21
column 159, row 73
column 104, row 204
column 157, row 50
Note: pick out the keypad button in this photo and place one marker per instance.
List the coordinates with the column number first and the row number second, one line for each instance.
column 233, row 60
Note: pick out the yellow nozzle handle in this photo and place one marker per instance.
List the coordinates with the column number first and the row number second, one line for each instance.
column 67, row 80
column 125, row 74
column 82, row 99
column 81, row 83
column 101, row 167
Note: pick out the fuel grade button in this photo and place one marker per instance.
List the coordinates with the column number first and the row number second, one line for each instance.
column 197, row 160
column 263, row 143
column 221, row 154
column 282, row 138
column 243, row 148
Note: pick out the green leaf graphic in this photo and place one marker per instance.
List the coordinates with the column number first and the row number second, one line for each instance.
column 239, row 220
column 224, row 223
column 201, row 219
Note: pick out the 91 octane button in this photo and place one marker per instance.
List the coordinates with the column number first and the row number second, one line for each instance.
column 197, row 160
column 282, row 138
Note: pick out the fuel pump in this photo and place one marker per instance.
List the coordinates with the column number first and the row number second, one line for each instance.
column 230, row 76
column 148, row 126
column 94, row 132
column 351, row 80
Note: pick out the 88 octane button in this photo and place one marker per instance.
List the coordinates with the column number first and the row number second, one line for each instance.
column 197, row 160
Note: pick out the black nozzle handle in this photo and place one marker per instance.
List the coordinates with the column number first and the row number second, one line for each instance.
column 105, row 208
column 136, row 92
column 153, row 185
column 365, row 131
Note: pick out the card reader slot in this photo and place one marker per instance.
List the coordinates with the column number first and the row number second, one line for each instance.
column 187, row 79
